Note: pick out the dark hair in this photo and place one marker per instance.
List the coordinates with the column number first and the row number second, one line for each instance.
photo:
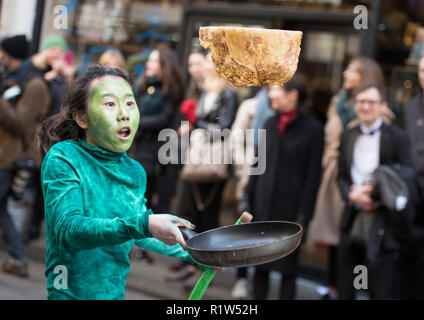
column 369, row 85
column 171, row 79
column 62, row 126
column 298, row 83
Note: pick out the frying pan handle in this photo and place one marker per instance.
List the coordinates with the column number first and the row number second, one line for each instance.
column 187, row 233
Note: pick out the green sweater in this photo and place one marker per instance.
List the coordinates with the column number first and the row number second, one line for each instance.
column 95, row 211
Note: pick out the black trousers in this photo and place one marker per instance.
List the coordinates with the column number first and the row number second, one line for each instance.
column 37, row 214
column 261, row 286
column 167, row 184
column 151, row 186
column 332, row 266
column 210, row 195
column 383, row 275
column 419, row 274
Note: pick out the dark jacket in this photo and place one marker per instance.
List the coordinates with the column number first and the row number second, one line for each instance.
column 156, row 113
column 389, row 226
column 414, row 124
column 222, row 115
column 287, row 190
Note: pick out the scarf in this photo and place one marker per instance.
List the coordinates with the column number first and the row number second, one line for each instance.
column 345, row 108
column 284, row 119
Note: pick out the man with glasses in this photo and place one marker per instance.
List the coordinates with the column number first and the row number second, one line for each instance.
column 368, row 230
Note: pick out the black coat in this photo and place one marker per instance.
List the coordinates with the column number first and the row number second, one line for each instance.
column 414, row 124
column 157, row 112
column 223, row 115
column 287, row 190
column 388, row 227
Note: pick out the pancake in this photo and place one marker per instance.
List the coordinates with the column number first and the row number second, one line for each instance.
column 252, row 56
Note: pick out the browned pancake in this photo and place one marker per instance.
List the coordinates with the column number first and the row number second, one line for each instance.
column 252, row 56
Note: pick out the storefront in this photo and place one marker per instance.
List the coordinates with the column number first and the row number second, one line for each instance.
column 334, row 31
column 329, row 40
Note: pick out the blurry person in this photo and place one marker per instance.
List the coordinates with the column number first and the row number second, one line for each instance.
column 113, row 58
column 414, row 124
column 58, row 73
column 160, row 94
column 371, row 233
column 53, row 60
column 24, row 103
column 216, row 109
column 197, row 70
column 95, row 194
column 243, row 148
column 288, row 188
column 197, row 65
column 329, row 207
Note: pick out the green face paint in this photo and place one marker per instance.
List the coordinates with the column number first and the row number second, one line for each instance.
column 113, row 115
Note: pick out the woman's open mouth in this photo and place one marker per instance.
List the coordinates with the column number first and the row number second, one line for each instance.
column 124, row 133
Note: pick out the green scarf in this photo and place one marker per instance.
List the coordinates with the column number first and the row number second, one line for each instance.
column 345, row 108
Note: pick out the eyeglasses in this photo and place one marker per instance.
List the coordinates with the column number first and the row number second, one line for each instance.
column 369, row 102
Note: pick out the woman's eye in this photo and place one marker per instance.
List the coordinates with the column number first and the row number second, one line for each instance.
column 110, row 104
column 130, row 103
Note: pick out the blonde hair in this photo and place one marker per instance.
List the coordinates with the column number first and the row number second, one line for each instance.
column 113, row 58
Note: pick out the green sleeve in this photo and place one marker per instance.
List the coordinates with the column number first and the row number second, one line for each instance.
column 65, row 217
column 159, row 247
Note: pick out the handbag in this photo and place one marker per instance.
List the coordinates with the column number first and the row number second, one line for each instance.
column 206, row 161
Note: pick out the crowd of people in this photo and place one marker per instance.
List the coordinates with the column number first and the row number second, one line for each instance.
column 354, row 183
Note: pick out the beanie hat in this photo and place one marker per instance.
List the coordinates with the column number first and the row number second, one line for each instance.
column 54, row 40
column 16, row 46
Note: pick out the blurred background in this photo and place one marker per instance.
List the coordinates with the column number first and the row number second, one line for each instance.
column 394, row 37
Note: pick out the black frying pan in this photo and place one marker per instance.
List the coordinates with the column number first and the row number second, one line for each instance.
column 244, row 244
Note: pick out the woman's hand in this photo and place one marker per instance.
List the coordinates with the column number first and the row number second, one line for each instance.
column 164, row 227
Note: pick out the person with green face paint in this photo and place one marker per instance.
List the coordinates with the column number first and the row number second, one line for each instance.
column 95, row 207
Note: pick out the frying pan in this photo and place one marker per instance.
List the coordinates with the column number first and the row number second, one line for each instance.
column 244, row 244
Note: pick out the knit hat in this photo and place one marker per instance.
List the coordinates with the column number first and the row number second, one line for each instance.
column 54, row 40
column 16, row 46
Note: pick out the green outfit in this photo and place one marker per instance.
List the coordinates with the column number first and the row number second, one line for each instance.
column 95, row 211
